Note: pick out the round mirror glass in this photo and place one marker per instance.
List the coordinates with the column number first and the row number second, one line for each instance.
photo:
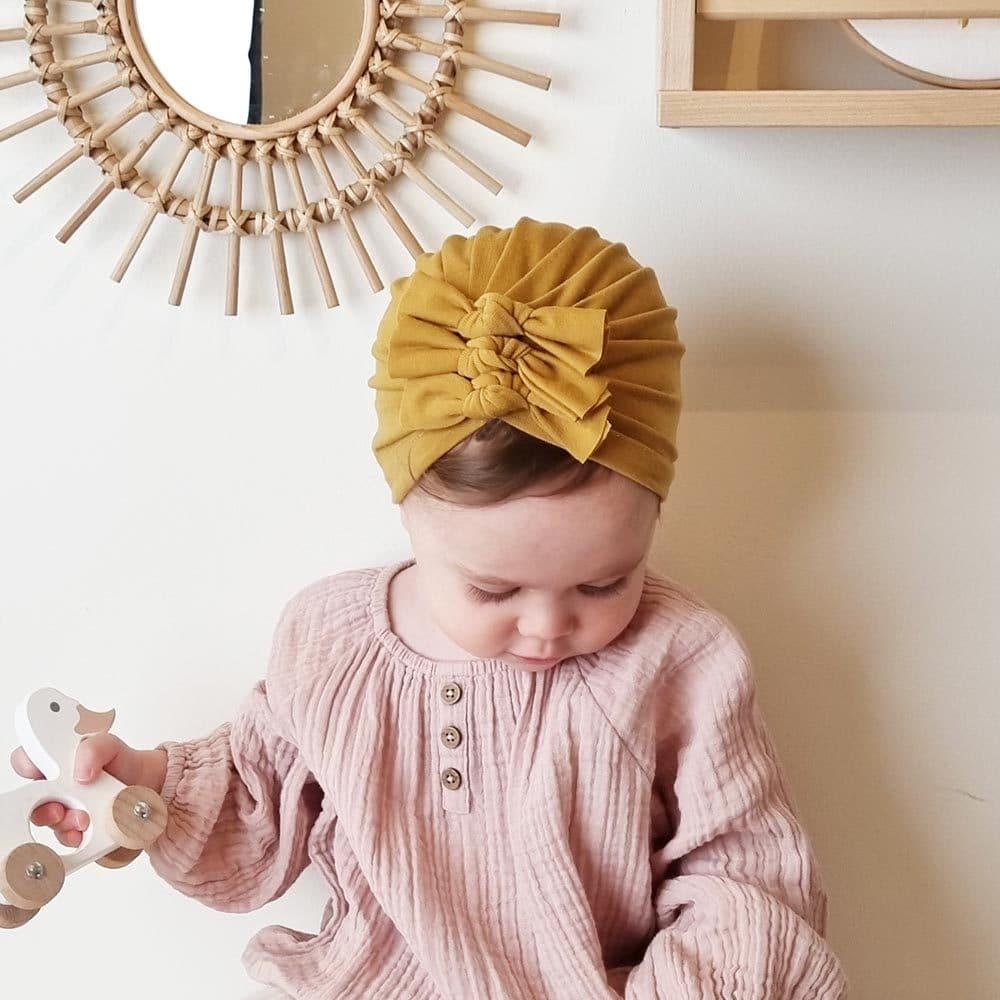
column 254, row 62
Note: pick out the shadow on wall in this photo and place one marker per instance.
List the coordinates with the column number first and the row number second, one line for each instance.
column 761, row 373
column 749, row 527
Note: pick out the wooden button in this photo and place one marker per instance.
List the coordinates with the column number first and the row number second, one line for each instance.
column 451, row 737
column 451, row 779
column 451, row 694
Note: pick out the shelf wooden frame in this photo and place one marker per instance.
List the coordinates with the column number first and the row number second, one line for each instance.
column 680, row 104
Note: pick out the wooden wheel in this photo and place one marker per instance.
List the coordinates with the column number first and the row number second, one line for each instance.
column 119, row 859
column 31, row 876
column 14, row 916
column 137, row 817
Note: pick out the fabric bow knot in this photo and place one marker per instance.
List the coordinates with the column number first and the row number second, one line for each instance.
column 498, row 358
column 491, row 361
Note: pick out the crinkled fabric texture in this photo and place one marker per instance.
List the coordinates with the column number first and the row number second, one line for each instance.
column 550, row 329
column 623, row 829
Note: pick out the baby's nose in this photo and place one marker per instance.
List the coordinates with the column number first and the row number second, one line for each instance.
column 546, row 624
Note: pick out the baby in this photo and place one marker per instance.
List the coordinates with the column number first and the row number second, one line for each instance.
column 527, row 767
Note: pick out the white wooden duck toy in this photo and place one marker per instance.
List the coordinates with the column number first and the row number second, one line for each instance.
column 124, row 819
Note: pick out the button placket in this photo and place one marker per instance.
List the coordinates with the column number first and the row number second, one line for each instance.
column 451, row 737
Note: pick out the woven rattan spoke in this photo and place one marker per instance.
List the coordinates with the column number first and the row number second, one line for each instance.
column 308, row 225
column 81, row 62
column 122, row 118
column 236, row 164
column 17, row 79
column 26, row 123
column 415, row 174
column 388, row 210
column 192, row 228
column 70, row 105
column 464, row 57
column 56, row 168
column 461, row 106
column 56, row 69
column 435, row 141
column 463, row 163
column 123, row 172
column 52, row 31
column 156, row 206
column 272, row 227
column 323, row 169
column 472, row 14
column 85, row 211
column 53, row 170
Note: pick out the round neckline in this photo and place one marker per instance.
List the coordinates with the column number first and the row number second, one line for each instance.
column 400, row 651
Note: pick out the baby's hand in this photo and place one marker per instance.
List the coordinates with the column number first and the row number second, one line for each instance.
column 95, row 753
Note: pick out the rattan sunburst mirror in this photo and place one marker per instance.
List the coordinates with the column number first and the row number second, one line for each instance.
column 288, row 120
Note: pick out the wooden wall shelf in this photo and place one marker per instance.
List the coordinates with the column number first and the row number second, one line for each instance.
column 747, row 100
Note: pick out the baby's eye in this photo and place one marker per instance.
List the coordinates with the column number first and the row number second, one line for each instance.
column 490, row 596
column 607, row 591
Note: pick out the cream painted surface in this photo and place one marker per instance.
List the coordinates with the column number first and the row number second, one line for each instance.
column 170, row 478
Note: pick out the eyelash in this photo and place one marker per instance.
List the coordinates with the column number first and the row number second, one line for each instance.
column 488, row 597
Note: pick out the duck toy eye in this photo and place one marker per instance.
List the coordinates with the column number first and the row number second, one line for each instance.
column 54, row 706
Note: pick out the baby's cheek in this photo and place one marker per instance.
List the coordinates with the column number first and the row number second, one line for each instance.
column 615, row 621
column 495, row 631
column 480, row 631
column 502, row 634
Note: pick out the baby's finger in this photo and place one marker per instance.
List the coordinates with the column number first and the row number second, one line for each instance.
column 21, row 763
column 75, row 821
column 49, row 814
column 72, row 838
column 93, row 754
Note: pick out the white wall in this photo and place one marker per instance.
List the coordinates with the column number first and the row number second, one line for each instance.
column 170, row 477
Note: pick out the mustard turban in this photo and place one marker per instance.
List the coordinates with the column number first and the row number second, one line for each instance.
column 550, row 329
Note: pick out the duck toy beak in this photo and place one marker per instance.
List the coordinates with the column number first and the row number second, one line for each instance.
column 93, row 723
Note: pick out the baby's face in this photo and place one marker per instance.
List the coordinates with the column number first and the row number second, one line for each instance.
column 535, row 579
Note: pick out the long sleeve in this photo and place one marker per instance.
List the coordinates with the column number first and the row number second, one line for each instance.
column 740, row 907
column 241, row 801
